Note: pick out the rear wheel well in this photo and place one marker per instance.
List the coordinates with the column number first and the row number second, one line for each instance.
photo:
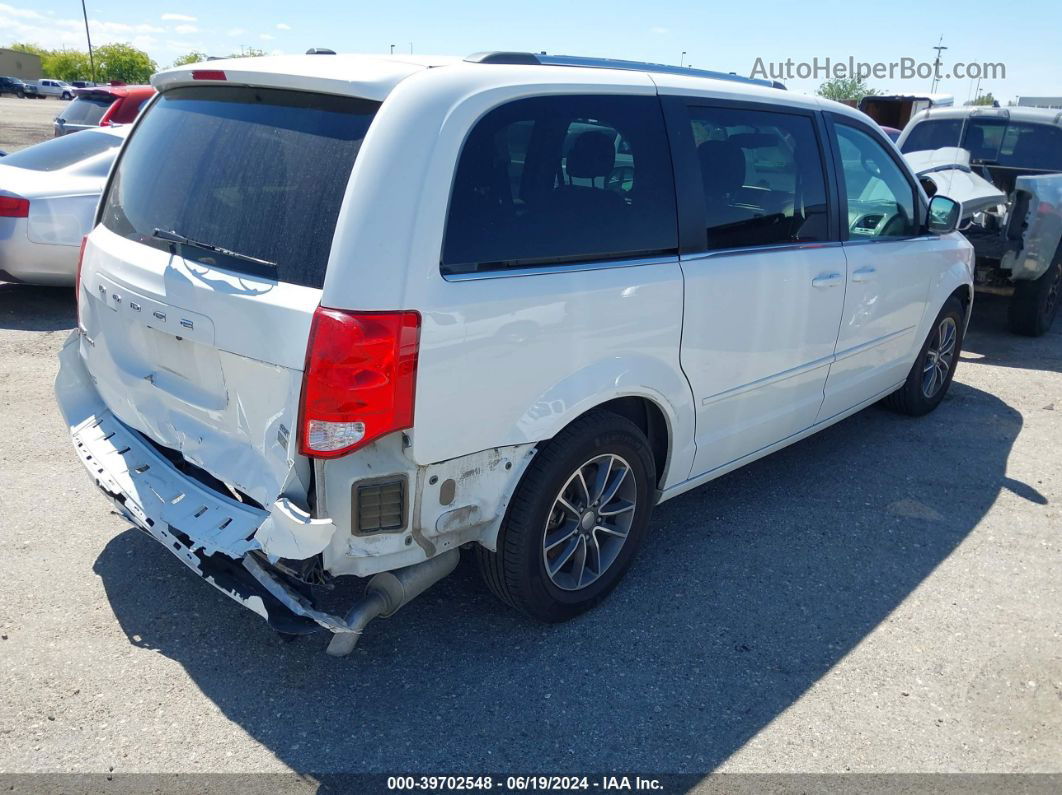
column 965, row 295
column 651, row 420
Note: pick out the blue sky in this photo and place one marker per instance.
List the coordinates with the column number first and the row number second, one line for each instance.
column 727, row 37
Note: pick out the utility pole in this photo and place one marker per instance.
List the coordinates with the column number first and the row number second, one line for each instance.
column 92, row 61
column 682, row 60
column 936, row 64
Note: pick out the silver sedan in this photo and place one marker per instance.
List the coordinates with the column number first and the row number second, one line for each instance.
column 48, row 198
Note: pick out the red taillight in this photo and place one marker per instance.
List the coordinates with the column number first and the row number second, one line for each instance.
column 361, row 371
column 14, row 207
column 208, row 74
column 77, row 280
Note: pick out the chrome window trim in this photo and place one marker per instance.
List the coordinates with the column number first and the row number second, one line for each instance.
column 573, row 267
column 740, row 250
column 905, row 239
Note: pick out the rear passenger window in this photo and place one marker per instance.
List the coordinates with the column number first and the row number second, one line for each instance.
column 554, row 180
column 762, row 177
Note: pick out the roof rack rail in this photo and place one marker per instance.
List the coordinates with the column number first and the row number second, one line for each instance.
column 531, row 59
column 517, row 58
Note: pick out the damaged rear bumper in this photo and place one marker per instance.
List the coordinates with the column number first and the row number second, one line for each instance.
column 227, row 542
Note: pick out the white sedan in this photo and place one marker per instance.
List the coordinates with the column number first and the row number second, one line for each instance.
column 48, row 198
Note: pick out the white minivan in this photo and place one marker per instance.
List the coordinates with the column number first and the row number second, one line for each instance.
column 343, row 316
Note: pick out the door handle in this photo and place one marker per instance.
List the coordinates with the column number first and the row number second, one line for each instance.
column 827, row 280
column 864, row 274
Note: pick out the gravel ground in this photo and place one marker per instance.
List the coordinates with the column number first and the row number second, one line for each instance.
column 884, row 596
column 27, row 121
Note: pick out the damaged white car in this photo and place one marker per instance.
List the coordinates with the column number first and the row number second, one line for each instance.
column 343, row 316
column 1005, row 166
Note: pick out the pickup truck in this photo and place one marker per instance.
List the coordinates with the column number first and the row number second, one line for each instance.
column 47, row 87
column 1005, row 166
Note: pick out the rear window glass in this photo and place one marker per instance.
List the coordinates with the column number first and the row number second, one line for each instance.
column 552, row 180
column 63, row 152
column 86, row 110
column 995, row 141
column 933, row 135
column 257, row 172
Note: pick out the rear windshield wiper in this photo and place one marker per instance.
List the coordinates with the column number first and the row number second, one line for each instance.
column 261, row 266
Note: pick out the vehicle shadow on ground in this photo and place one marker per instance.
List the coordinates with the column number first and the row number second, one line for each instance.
column 990, row 341
column 746, row 593
column 24, row 307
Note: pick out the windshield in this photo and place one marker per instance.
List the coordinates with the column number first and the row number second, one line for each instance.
column 259, row 172
column 994, row 141
column 63, row 152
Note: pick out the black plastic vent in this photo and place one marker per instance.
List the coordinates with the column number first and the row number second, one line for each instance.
column 379, row 505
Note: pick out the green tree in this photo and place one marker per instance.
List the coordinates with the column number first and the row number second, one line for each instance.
column 123, row 63
column 67, row 65
column 841, row 89
column 192, row 57
column 985, row 99
column 32, row 48
column 248, row 52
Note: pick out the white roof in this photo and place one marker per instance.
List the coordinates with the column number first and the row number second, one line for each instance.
column 1041, row 115
column 375, row 76
column 368, row 76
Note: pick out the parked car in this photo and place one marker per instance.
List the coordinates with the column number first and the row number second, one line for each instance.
column 892, row 132
column 1008, row 162
column 46, row 87
column 12, row 85
column 83, row 84
column 48, row 197
column 344, row 315
column 102, row 106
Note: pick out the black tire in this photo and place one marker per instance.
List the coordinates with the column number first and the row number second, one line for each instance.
column 1034, row 304
column 67, row 95
column 516, row 573
column 21, row 94
column 912, row 398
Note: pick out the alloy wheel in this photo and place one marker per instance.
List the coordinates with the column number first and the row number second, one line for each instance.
column 940, row 356
column 589, row 522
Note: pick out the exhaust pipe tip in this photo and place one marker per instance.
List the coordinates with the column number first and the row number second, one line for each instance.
column 342, row 643
column 386, row 593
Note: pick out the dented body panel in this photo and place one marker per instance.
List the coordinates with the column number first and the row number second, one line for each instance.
column 948, row 169
column 1041, row 222
column 198, row 524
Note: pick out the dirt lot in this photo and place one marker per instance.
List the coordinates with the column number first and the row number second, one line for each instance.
column 882, row 597
column 26, row 121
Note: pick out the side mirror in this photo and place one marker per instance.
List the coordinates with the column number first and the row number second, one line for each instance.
column 944, row 215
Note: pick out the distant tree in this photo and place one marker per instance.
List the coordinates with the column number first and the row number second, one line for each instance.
column 248, row 52
column 851, row 89
column 193, row 57
column 984, row 99
column 67, row 65
column 31, row 48
column 123, row 63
